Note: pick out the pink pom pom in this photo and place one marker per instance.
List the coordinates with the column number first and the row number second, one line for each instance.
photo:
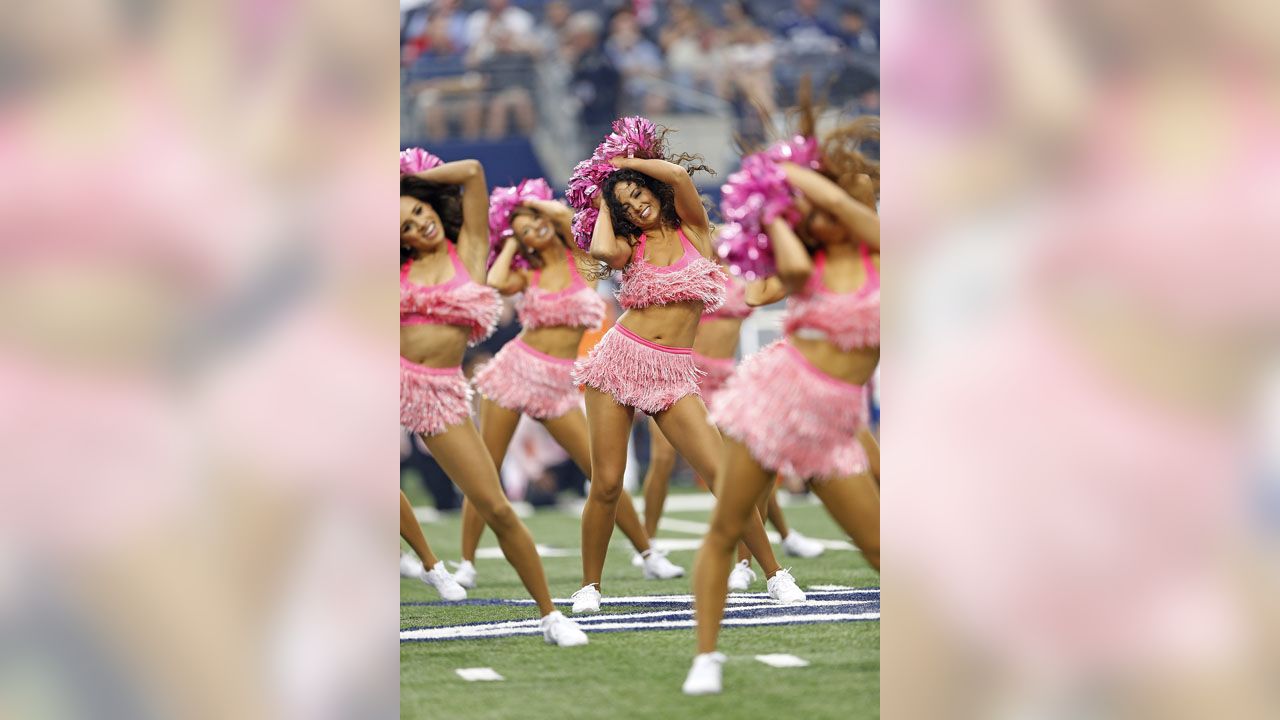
column 584, row 185
column 415, row 160
column 503, row 201
column 800, row 150
column 584, row 223
column 631, row 137
column 755, row 196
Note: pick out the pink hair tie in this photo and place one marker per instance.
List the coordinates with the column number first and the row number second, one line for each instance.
column 755, row 196
column 503, row 201
column 415, row 160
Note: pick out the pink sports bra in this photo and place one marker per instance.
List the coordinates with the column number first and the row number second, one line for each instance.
column 575, row 306
column 692, row 277
column 850, row 320
column 456, row 301
column 735, row 302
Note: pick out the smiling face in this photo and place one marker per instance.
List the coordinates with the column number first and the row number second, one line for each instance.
column 420, row 226
column 533, row 230
column 643, row 208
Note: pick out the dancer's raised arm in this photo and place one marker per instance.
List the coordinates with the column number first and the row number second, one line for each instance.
column 861, row 220
column 688, row 202
column 605, row 246
column 473, row 238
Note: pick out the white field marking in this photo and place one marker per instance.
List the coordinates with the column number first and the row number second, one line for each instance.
column 426, row 514
column 482, row 674
column 608, row 623
column 700, row 528
column 845, row 588
column 737, row 598
column 782, row 660
column 495, row 553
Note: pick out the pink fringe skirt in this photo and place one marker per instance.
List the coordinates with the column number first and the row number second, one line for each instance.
column 716, row 372
column 794, row 418
column 637, row 372
column 527, row 381
column 432, row 399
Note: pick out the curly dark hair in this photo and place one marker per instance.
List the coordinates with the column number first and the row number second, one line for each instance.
column 622, row 226
column 446, row 200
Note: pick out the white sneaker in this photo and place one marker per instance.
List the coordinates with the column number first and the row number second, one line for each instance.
column 586, row 600
column 705, row 676
column 410, row 566
column 658, row 567
column 783, row 588
column 637, row 560
column 741, row 577
column 797, row 545
column 561, row 631
column 440, row 579
column 465, row 573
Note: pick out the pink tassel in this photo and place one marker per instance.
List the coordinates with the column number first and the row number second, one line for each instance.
column 849, row 321
column 503, row 201
column 716, row 372
column 701, row 280
column 584, row 223
column 415, row 160
column 632, row 137
column 584, row 308
column 793, row 418
column 637, row 375
column 470, row 305
column 431, row 399
column 523, row 380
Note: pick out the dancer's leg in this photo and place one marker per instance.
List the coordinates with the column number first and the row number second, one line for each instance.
column 854, row 503
column 411, row 531
column 872, row 448
column 773, row 511
column 497, row 425
column 610, row 426
column 740, row 481
column 462, row 454
column 662, row 460
column 698, row 442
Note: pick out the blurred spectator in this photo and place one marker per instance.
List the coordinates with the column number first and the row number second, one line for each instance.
column 746, row 61
column 436, row 30
column 508, row 76
column 551, row 35
column 810, row 44
column 640, row 63
column 596, row 81
column 857, row 34
column 498, row 17
column 690, row 48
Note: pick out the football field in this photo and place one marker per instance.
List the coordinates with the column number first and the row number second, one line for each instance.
column 642, row 640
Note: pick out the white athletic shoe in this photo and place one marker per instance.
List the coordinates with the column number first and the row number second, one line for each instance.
column 465, row 573
column 637, row 560
column 561, row 631
column 586, row 600
column 783, row 588
column 705, row 676
column 658, row 567
column 797, row 545
column 440, row 579
column 741, row 577
column 410, row 566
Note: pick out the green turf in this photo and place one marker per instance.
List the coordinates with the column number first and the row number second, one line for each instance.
column 635, row 674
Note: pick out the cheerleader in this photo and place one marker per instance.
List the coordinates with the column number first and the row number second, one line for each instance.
column 651, row 225
column 532, row 253
column 713, row 354
column 443, row 308
column 799, row 406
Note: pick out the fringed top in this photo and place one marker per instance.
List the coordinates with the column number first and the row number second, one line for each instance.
column 692, row 277
column 456, row 301
column 850, row 320
column 575, row 306
column 735, row 302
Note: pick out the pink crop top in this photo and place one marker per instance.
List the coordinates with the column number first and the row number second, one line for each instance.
column 850, row 320
column 456, row 301
column 575, row 306
column 692, row 277
column 735, row 302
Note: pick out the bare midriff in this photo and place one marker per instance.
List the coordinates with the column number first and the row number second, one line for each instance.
column 852, row 366
column 673, row 325
column 433, row 346
column 559, row 341
column 718, row 338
